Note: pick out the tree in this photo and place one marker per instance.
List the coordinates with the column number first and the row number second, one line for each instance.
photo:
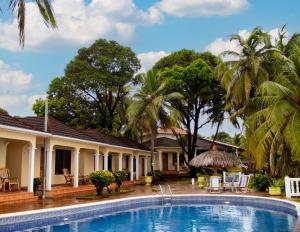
column 223, row 136
column 149, row 108
column 93, row 92
column 195, row 81
column 243, row 74
column 275, row 117
column 3, row 111
column 20, row 7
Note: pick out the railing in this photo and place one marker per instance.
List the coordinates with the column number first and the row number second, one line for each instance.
column 292, row 187
column 165, row 197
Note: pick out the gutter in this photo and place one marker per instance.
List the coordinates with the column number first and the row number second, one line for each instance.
column 23, row 130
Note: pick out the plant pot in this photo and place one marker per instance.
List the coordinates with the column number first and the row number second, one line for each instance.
column 201, row 181
column 274, row 191
column 148, row 180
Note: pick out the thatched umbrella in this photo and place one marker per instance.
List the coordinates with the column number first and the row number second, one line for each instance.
column 216, row 159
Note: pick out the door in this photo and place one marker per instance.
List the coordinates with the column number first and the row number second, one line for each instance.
column 42, row 163
column 165, row 161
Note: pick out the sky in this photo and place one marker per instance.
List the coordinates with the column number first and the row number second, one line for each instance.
column 152, row 28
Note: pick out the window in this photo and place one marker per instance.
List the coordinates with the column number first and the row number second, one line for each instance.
column 62, row 160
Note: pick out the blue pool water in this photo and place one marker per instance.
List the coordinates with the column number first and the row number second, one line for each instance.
column 202, row 218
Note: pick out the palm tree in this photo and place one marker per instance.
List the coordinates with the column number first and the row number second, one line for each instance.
column 150, row 108
column 243, row 74
column 20, row 7
column 275, row 115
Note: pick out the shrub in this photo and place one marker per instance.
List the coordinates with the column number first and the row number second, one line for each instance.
column 101, row 179
column 260, row 182
column 120, row 176
column 36, row 183
column 156, row 177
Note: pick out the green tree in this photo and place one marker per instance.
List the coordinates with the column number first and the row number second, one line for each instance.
column 195, row 81
column 149, row 108
column 275, row 116
column 223, row 136
column 20, row 7
column 93, row 92
column 244, row 73
column 3, row 111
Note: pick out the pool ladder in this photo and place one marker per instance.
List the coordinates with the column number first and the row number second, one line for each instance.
column 166, row 198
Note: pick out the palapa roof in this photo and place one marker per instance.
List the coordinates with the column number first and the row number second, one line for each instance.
column 215, row 158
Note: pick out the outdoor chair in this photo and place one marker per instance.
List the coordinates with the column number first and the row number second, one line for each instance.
column 6, row 179
column 231, row 180
column 243, row 185
column 68, row 176
column 215, row 184
column 83, row 179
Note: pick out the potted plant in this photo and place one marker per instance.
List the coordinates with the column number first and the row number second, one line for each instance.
column 275, row 188
column 148, row 179
column 101, row 179
column 120, row 176
column 36, row 183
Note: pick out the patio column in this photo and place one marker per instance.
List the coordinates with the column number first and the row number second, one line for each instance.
column 49, row 170
column 120, row 161
column 97, row 155
column 31, row 168
column 105, row 165
column 160, row 160
column 178, row 161
column 146, row 165
column 131, row 167
column 76, row 168
column 195, row 153
column 137, row 165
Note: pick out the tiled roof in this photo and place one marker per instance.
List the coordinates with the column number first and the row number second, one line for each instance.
column 55, row 127
column 163, row 142
column 113, row 140
column 8, row 120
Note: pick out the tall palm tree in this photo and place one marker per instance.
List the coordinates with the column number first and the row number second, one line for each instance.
column 20, row 7
column 243, row 74
column 150, row 108
column 275, row 115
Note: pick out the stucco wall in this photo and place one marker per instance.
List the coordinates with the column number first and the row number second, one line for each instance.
column 14, row 160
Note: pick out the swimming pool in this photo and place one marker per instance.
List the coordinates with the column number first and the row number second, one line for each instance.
column 182, row 213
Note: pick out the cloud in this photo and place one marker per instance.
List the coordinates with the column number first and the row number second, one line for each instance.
column 220, row 44
column 79, row 23
column 16, row 87
column 197, row 8
column 13, row 80
column 148, row 59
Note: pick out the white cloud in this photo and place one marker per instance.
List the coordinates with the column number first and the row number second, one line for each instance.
column 13, row 80
column 79, row 23
column 148, row 59
column 196, row 8
column 220, row 45
column 16, row 87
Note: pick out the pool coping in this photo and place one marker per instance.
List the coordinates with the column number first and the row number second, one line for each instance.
column 116, row 205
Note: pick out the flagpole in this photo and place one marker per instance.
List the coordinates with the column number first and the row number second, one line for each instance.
column 45, row 147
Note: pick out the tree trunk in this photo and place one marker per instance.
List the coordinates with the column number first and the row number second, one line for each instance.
column 272, row 163
column 152, row 149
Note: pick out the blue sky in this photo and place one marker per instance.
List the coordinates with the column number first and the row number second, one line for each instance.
column 151, row 28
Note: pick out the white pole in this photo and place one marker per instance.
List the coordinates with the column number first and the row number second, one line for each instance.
column 45, row 147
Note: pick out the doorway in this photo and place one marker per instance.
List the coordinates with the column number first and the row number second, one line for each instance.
column 165, row 161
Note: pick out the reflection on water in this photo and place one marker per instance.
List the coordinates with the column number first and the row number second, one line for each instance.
column 205, row 218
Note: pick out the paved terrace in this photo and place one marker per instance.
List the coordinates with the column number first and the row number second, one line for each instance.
column 178, row 187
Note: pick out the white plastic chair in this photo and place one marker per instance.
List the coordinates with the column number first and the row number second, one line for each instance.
column 243, row 185
column 215, row 184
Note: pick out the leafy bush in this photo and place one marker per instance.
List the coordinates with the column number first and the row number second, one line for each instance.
column 149, row 174
column 36, row 183
column 120, row 176
column 277, row 183
column 156, row 177
column 260, row 182
column 101, row 179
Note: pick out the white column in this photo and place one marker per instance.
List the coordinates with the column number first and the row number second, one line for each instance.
column 237, row 152
column 97, row 162
column 137, row 166
column 195, row 153
column 146, row 165
column 160, row 160
column 49, row 170
column 178, row 162
column 105, row 165
column 31, row 169
column 131, row 167
column 76, row 168
column 120, row 161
